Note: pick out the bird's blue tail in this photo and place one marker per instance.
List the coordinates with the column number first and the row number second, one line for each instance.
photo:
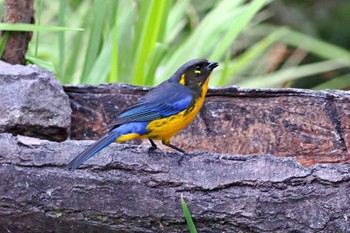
column 104, row 141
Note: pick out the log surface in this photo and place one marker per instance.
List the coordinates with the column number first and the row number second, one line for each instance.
column 122, row 189
column 311, row 126
column 125, row 190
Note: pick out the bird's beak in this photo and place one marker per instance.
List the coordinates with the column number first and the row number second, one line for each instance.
column 212, row 66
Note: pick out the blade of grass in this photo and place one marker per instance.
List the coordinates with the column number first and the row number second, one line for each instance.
column 164, row 20
column 176, row 20
column 224, row 70
column 95, row 37
column 316, row 46
column 34, row 28
column 156, row 57
column 61, row 36
column 148, row 37
column 143, row 10
column 38, row 8
column 247, row 58
column 340, row 82
column 113, row 76
column 208, row 35
column 3, row 42
column 238, row 25
column 48, row 65
column 72, row 64
column 102, row 65
column 277, row 78
column 308, row 43
column 126, row 16
column 76, row 43
column 205, row 36
column 160, row 48
column 188, row 217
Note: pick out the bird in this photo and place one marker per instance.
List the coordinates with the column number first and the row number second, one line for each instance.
column 161, row 113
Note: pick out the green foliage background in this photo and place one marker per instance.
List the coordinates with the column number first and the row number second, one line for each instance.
column 144, row 41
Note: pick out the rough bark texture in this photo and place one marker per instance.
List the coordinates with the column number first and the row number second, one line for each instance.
column 125, row 190
column 313, row 127
column 17, row 11
column 33, row 103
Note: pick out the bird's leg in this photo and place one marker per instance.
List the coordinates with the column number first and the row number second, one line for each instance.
column 167, row 143
column 152, row 148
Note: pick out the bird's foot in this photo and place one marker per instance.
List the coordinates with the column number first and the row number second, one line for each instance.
column 184, row 155
column 154, row 151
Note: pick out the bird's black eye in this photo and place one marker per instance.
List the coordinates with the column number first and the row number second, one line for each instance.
column 197, row 69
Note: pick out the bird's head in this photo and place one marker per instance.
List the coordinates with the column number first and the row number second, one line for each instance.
column 194, row 73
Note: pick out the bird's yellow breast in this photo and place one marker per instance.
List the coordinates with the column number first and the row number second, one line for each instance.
column 165, row 128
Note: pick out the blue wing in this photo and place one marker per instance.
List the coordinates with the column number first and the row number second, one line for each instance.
column 165, row 100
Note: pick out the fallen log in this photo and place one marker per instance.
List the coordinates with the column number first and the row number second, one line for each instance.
column 123, row 189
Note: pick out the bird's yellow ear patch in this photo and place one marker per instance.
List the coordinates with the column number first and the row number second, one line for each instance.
column 197, row 71
column 182, row 80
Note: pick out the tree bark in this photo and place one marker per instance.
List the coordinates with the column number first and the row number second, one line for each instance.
column 311, row 126
column 17, row 11
column 123, row 189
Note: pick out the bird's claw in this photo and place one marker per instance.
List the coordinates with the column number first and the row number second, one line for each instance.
column 152, row 150
column 183, row 156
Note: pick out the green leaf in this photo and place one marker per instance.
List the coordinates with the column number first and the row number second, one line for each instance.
column 277, row 78
column 248, row 12
column 126, row 21
column 34, row 28
column 95, row 38
column 38, row 10
column 156, row 57
column 250, row 56
column 102, row 66
column 310, row 44
column 151, row 31
column 48, row 65
column 113, row 76
column 3, row 42
column 207, row 36
column 340, row 82
column 188, row 216
column 61, row 39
